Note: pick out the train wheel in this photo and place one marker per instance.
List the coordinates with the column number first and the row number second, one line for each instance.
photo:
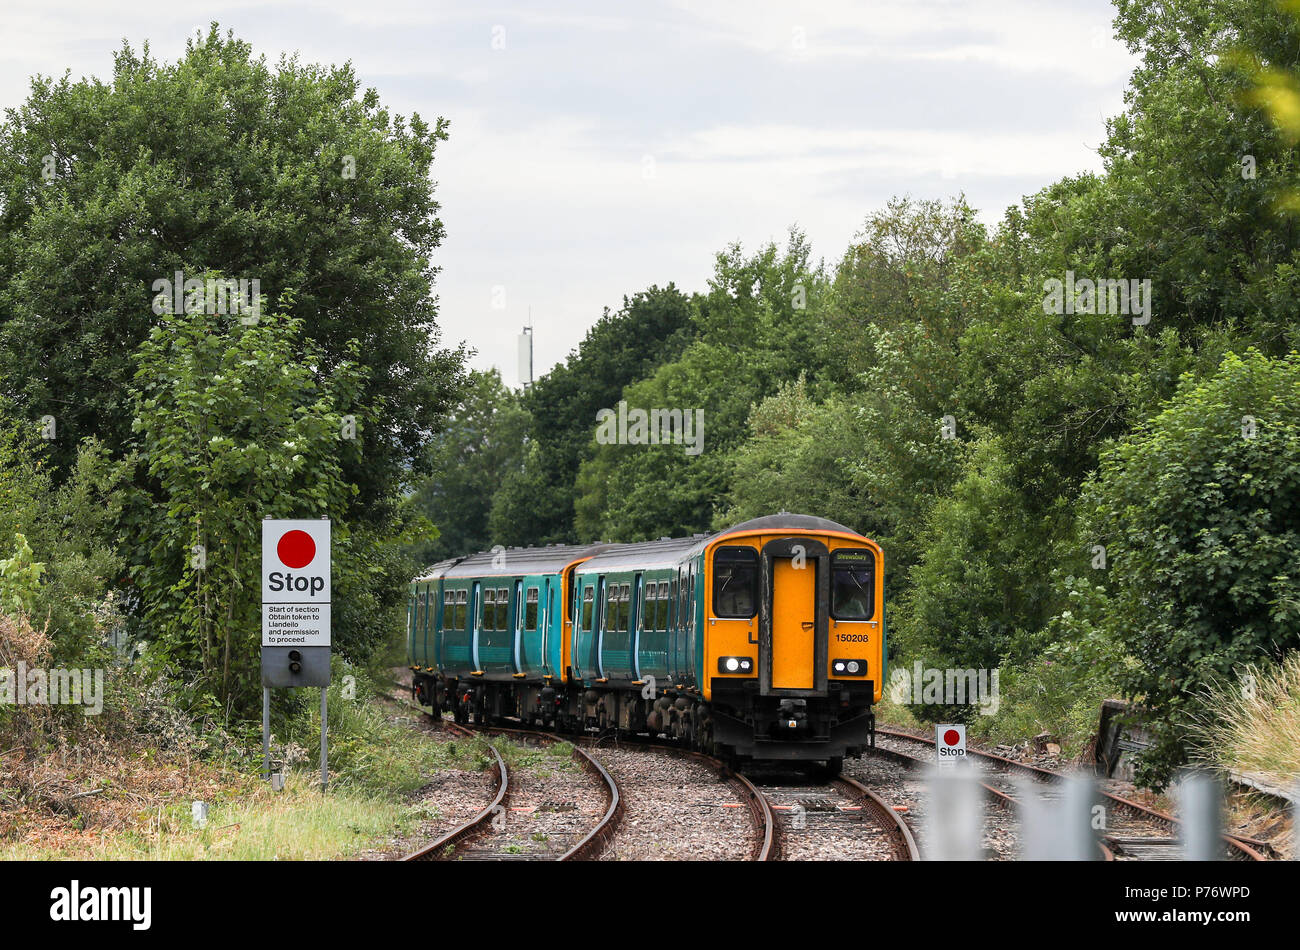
column 834, row 766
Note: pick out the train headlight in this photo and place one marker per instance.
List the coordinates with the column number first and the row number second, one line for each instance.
column 738, row 665
column 849, row 667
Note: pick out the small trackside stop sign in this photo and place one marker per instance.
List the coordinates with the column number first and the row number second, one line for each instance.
column 296, row 583
column 950, row 744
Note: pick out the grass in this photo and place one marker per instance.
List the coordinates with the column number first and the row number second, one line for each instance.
column 1255, row 723
column 540, row 760
column 137, row 804
column 299, row 823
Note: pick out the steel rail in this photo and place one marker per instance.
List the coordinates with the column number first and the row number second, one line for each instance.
column 439, row 849
column 904, row 840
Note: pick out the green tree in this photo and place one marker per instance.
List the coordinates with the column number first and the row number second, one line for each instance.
column 234, row 426
column 483, row 443
column 536, row 502
column 71, row 529
column 753, row 334
column 1199, row 512
column 289, row 174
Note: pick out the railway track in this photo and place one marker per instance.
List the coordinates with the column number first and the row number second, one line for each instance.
column 838, row 820
column 765, row 844
column 1134, row 831
column 859, row 816
column 473, row 839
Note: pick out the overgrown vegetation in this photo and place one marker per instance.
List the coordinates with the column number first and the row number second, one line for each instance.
column 1255, row 723
column 1100, row 522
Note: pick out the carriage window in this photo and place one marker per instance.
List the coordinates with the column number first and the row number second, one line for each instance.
column 488, row 614
column 690, row 600
column 448, row 609
column 853, row 585
column 588, row 601
column 459, row 617
column 625, row 606
column 530, row 614
column 503, row 608
column 735, row 582
column 611, row 606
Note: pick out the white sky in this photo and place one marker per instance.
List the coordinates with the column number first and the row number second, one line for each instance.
column 609, row 146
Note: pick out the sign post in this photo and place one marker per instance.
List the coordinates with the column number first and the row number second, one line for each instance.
column 950, row 744
column 296, row 617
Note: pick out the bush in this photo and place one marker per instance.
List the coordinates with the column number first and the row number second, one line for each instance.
column 1199, row 510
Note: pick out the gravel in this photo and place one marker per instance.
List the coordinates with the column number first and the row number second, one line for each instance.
column 451, row 798
column 551, row 804
column 675, row 809
column 818, row 822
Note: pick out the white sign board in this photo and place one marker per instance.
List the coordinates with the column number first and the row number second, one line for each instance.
column 296, row 583
column 949, row 744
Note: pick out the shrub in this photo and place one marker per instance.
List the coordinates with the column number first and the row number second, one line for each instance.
column 1199, row 510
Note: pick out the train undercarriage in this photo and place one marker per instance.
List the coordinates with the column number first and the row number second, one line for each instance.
column 738, row 726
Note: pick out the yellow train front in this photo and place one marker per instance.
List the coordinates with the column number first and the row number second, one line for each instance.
column 794, row 639
column 762, row 642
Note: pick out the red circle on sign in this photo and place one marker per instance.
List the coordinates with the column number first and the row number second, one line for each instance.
column 952, row 737
column 296, row 549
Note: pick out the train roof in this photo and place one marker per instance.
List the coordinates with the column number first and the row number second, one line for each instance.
column 665, row 552
column 788, row 522
column 668, row 552
column 520, row 561
column 438, row 569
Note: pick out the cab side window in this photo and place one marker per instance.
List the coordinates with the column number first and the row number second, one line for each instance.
column 735, row 582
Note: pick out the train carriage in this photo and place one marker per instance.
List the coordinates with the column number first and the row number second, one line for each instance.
column 764, row 641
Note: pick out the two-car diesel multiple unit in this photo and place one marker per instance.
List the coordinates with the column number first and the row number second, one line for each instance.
column 764, row 641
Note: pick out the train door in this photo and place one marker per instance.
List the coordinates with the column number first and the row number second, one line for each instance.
column 548, row 604
column 602, row 614
column 519, row 627
column 430, row 625
column 692, row 632
column 638, row 624
column 794, row 600
column 476, row 623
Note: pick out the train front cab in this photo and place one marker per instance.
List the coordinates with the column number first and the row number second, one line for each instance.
column 794, row 644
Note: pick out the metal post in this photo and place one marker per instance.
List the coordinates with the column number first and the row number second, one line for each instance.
column 266, row 733
column 324, row 733
column 1200, row 804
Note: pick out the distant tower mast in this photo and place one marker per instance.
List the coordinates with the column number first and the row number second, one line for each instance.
column 526, row 352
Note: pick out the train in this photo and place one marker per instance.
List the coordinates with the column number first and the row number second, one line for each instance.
column 762, row 642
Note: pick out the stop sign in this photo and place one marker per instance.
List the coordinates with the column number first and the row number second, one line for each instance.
column 296, row 583
column 949, row 743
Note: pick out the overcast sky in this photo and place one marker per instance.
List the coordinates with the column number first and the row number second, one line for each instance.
column 599, row 148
